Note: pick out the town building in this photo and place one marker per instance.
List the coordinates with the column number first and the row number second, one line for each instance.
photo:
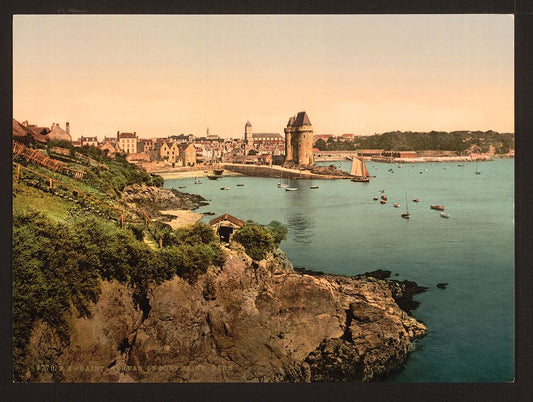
column 299, row 140
column 369, row 152
column 58, row 134
column 347, row 137
column 110, row 147
column 90, row 141
column 180, row 154
column 187, row 154
column 29, row 132
column 323, row 137
column 400, row 154
column 127, row 142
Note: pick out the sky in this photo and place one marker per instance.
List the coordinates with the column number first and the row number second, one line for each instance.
column 160, row 75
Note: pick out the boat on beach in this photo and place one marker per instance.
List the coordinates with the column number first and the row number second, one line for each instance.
column 359, row 171
column 212, row 177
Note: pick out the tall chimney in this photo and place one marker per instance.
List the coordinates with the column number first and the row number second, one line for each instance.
column 67, row 127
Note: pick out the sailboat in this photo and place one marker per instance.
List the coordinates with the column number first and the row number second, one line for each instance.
column 406, row 214
column 359, row 171
column 283, row 185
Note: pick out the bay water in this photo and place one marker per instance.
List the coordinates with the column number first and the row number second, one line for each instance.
column 338, row 228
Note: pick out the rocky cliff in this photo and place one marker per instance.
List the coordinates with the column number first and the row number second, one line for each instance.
column 154, row 199
column 246, row 322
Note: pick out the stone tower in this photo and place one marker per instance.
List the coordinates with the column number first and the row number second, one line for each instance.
column 299, row 140
column 288, row 139
column 248, row 132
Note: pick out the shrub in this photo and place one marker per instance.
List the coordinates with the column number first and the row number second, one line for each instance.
column 256, row 239
column 277, row 231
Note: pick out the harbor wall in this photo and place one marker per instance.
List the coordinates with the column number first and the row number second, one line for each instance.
column 276, row 172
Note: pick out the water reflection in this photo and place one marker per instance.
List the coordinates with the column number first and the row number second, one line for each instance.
column 301, row 228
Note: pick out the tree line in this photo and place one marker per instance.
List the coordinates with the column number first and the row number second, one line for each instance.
column 456, row 141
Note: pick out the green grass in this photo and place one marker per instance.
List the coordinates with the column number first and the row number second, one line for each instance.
column 25, row 197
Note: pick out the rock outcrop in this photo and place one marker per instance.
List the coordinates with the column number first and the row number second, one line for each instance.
column 153, row 199
column 246, row 322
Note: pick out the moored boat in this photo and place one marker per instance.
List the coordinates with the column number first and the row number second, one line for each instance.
column 211, row 177
column 376, row 198
column 406, row 214
column 291, row 188
column 313, row 186
column 444, row 215
column 437, row 207
column 384, row 197
column 383, row 201
column 240, row 185
column 395, row 205
column 415, row 200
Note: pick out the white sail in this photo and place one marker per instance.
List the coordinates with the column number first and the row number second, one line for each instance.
column 358, row 168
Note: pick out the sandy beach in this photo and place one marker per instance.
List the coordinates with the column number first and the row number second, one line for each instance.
column 183, row 217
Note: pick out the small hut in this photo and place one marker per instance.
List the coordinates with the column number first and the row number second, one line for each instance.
column 225, row 225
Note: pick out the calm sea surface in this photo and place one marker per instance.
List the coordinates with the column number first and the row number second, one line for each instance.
column 339, row 228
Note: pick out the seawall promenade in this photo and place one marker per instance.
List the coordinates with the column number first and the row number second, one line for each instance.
column 278, row 172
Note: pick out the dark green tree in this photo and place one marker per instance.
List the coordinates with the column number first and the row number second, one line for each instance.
column 257, row 240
